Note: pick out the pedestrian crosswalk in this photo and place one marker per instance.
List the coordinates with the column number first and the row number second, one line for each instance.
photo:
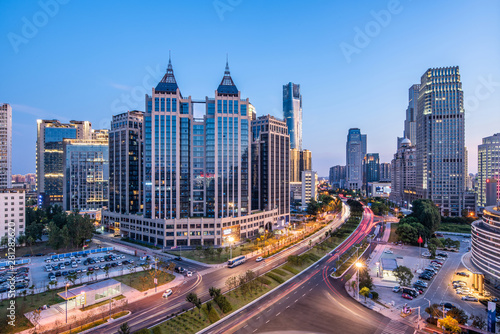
column 395, row 327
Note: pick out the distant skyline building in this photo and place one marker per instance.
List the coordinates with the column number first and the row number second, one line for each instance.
column 403, row 182
column 299, row 162
column 410, row 130
column 86, row 173
column 385, row 172
column 488, row 166
column 270, row 165
column 441, row 152
column 49, row 156
column 355, row 153
column 292, row 113
column 126, row 147
column 5, row 146
column 337, row 176
column 371, row 167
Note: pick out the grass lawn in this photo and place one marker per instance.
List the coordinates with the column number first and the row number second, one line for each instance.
column 454, row 227
column 104, row 302
column 393, row 237
column 143, row 280
column 96, row 323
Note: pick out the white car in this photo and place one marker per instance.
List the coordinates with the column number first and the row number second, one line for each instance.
column 189, row 273
column 470, row 298
column 74, row 265
column 48, row 267
column 167, row 293
column 388, row 251
column 397, row 288
column 440, row 258
column 260, row 258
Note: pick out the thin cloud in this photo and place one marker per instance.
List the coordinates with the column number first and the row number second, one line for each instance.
column 39, row 113
column 120, row 86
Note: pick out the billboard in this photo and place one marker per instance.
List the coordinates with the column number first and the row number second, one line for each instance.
column 492, row 310
column 231, row 234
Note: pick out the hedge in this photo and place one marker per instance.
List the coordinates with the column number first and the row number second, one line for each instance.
column 263, row 280
column 275, row 277
column 290, row 269
column 279, row 272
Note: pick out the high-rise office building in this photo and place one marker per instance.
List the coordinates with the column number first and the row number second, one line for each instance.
column 292, row 113
column 270, row 165
column 197, row 171
column 385, row 172
column 441, row 152
column 355, row 152
column 488, row 166
column 403, row 180
column 299, row 162
column 126, row 147
column 371, row 167
column 5, row 146
column 49, row 155
column 309, row 187
column 411, row 114
column 337, row 176
column 86, row 173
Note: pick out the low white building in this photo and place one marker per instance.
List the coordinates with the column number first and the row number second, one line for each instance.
column 12, row 211
column 309, row 187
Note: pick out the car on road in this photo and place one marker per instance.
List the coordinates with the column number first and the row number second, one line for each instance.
column 447, row 306
column 178, row 258
column 397, row 288
column 388, row 251
column 167, row 293
column 189, row 273
column 260, row 258
column 407, row 296
column 462, row 273
column 470, row 298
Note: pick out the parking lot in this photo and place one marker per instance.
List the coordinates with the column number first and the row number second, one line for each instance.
column 440, row 288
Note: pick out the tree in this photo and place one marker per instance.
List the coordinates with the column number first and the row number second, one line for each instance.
column 365, row 280
column 403, row 275
column 214, row 292
column 459, row 315
column 427, row 214
column 449, row 324
column 433, row 245
column 364, row 292
column 231, row 282
column 54, row 236
column 478, row 322
column 192, row 298
column 106, row 271
column 435, row 310
column 65, row 240
column 407, row 233
column 124, row 328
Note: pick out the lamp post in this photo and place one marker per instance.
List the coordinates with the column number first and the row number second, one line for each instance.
column 358, row 265
column 67, row 284
column 230, row 239
column 378, row 263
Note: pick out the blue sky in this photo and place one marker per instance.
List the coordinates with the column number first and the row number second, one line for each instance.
column 88, row 60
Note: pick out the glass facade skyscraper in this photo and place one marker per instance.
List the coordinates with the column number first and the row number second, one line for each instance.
column 5, row 146
column 292, row 113
column 355, row 153
column 411, row 114
column 488, row 166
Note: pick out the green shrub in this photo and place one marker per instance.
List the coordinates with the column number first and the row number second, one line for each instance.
column 290, row 269
column 213, row 316
column 279, row 272
column 157, row 330
column 263, row 280
column 143, row 331
column 374, row 295
column 223, row 303
column 275, row 277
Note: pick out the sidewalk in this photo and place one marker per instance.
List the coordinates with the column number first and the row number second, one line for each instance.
column 56, row 314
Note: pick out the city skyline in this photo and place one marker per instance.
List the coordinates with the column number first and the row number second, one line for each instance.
column 108, row 75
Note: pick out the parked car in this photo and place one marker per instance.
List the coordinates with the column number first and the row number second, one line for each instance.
column 167, row 293
column 424, row 284
column 397, row 288
column 425, row 277
column 461, row 273
column 189, row 273
column 407, row 296
column 58, row 273
column 260, row 258
column 447, row 306
column 442, row 254
column 65, row 273
column 440, row 258
column 470, row 298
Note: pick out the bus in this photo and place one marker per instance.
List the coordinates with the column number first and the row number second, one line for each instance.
column 236, row 261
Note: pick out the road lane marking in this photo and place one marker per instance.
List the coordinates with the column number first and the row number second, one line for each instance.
column 267, row 321
column 278, row 313
column 295, row 300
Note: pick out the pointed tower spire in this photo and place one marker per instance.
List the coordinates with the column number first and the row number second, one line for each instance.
column 227, row 85
column 168, row 82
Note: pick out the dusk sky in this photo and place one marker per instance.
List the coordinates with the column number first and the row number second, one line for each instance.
column 354, row 61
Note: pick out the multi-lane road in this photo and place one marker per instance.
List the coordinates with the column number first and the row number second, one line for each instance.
column 153, row 309
column 313, row 302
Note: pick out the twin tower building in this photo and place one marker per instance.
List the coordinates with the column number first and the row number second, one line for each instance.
column 179, row 180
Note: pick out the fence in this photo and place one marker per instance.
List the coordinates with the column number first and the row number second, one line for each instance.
column 16, row 262
column 89, row 251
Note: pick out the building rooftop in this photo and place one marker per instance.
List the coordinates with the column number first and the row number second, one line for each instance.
column 74, row 292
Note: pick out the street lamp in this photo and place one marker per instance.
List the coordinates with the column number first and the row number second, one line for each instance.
column 230, row 239
column 358, row 265
column 378, row 263
column 67, row 284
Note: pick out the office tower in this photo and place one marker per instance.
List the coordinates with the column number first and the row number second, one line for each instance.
column 355, row 152
column 12, row 201
column 403, row 180
column 309, row 187
column 385, row 172
column 371, row 167
column 411, row 114
column 292, row 113
column 49, row 156
column 270, row 165
column 197, row 171
column 86, row 173
column 488, row 166
column 337, row 176
column 5, row 146
column 491, row 191
column 441, row 152
column 299, row 162
column 126, row 147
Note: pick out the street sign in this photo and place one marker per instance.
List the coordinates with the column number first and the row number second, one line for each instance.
column 492, row 308
column 156, row 281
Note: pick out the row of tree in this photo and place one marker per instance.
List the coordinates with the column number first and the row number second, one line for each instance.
column 71, row 232
column 325, row 203
column 423, row 222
